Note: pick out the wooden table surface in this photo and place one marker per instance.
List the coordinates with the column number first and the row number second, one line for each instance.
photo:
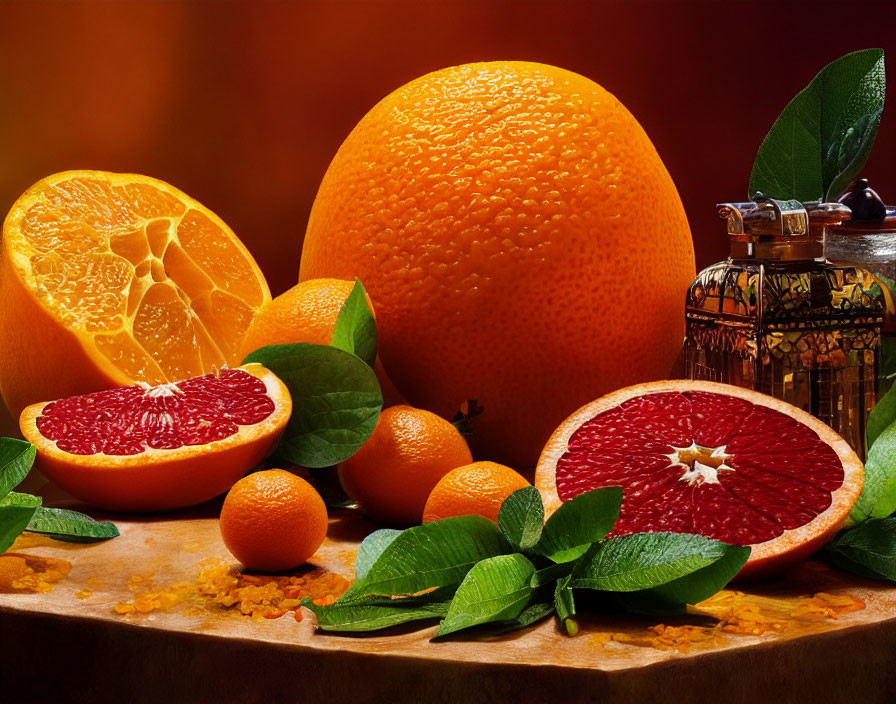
column 70, row 644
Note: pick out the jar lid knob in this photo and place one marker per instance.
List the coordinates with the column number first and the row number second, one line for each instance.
column 864, row 203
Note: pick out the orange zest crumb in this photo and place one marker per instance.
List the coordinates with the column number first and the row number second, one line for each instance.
column 258, row 596
column 30, row 573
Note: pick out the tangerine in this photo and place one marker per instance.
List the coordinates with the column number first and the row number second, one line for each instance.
column 273, row 520
column 107, row 279
column 393, row 473
column 520, row 238
column 478, row 488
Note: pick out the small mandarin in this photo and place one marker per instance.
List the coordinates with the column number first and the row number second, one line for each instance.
column 307, row 313
column 273, row 520
column 478, row 488
column 394, row 472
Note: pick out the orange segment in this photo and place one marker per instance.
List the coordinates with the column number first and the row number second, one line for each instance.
column 113, row 278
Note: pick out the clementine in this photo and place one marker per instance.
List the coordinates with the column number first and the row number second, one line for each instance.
column 273, row 520
column 520, row 238
column 478, row 488
column 393, row 473
column 107, row 279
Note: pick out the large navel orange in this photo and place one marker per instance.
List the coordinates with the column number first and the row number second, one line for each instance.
column 107, row 279
column 520, row 238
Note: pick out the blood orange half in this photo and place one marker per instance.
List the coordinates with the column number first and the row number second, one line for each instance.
column 156, row 448
column 713, row 459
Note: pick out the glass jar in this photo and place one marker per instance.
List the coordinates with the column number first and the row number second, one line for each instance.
column 778, row 318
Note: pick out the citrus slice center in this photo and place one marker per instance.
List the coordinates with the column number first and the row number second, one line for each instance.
column 133, row 419
column 703, row 462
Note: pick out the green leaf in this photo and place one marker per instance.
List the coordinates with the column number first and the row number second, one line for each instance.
column 70, row 526
column 355, row 329
column 578, row 523
column 882, row 416
column 887, row 369
column 533, row 613
column 336, row 401
column 436, row 554
column 521, row 518
column 565, row 605
column 821, row 140
column 371, row 548
column 16, row 511
column 678, row 568
column 495, row 589
column 868, row 550
column 878, row 497
column 16, row 458
column 377, row 613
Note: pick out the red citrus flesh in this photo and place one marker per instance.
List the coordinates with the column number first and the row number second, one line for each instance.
column 151, row 448
column 713, row 459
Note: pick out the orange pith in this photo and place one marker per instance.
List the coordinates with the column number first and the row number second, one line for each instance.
column 702, row 483
column 393, row 473
column 162, row 479
column 273, row 520
column 478, row 488
column 111, row 278
column 520, row 238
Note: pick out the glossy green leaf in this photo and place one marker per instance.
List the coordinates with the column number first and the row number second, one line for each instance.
column 16, row 511
column 435, row 554
column 16, row 458
column 677, row 568
column 357, row 616
column 355, row 329
column 495, row 589
column 336, row 401
column 821, row 140
column 371, row 548
column 521, row 518
column 878, row 497
column 578, row 523
column 868, row 550
column 882, row 416
column 70, row 526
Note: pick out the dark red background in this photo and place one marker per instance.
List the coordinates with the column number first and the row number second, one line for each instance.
column 242, row 104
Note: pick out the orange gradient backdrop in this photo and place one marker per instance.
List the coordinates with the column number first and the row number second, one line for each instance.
column 242, row 104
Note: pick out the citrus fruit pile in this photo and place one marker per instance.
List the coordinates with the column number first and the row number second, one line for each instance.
column 699, row 457
column 522, row 245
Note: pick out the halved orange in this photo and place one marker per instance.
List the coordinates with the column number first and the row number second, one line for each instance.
column 107, row 279
column 718, row 460
column 157, row 448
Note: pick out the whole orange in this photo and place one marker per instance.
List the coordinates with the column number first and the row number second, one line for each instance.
column 478, row 488
column 520, row 238
column 273, row 520
column 393, row 473
column 307, row 313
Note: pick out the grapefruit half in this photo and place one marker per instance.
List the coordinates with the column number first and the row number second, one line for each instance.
column 718, row 460
column 157, row 448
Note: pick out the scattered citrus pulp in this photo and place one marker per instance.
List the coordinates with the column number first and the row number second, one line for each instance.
column 394, row 472
column 273, row 520
column 107, row 279
column 718, row 460
column 520, row 238
column 478, row 488
column 155, row 448
column 307, row 313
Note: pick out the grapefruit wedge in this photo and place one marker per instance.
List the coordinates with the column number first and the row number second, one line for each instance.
column 156, row 448
column 718, row 460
